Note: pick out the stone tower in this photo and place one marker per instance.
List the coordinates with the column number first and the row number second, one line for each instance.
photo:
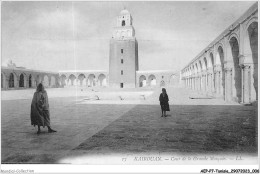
column 123, row 56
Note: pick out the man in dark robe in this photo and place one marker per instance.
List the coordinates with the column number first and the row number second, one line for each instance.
column 164, row 102
column 40, row 114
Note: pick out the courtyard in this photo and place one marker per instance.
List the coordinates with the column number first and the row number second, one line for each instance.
column 105, row 126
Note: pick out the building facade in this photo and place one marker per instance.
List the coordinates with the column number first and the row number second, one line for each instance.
column 157, row 78
column 13, row 77
column 84, row 78
column 123, row 54
column 228, row 67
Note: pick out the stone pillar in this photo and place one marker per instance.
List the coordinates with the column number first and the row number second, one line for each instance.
column 210, row 81
column 228, row 84
column 190, row 82
column 202, row 83
column 205, row 81
column 245, row 84
column 218, row 79
column 196, row 82
column 16, row 82
column 193, row 82
column 5, row 83
column 49, row 82
column 217, row 82
column 254, row 82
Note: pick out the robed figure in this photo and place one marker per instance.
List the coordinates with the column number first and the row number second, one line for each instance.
column 40, row 114
column 164, row 102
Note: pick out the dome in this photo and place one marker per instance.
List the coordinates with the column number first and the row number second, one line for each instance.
column 123, row 12
column 8, row 63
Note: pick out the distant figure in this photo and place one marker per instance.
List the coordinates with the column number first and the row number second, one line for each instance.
column 164, row 102
column 40, row 114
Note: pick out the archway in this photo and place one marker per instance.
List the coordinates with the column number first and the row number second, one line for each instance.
column 91, row 80
column 152, row 80
column 102, row 80
column 72, row 79
column 237, row 85
column 22, row 81
column 253, row 39
column 11, row 80
column 142, row 81
column 81, row 79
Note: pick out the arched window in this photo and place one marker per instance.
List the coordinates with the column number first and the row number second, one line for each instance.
column 11, row 80
column 123, row 23
column 30, row 81
column 21, row 82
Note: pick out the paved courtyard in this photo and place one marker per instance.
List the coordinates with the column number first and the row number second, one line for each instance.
column 102, row 126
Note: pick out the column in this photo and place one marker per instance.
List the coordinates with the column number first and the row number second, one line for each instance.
column 218, row 79
column 196, row 82
column 202, row 82
column 212, row 82
column 209, row 82
column 193, row 83
column 217, row 82
column 49, row 82
column 16, row 82
column 228, row 84
column 245, row 83
column 254, row 82
column 205, row 82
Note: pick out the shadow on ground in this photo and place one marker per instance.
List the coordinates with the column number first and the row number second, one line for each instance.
column 186, row 129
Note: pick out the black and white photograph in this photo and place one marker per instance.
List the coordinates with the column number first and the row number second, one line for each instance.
column 169, row 86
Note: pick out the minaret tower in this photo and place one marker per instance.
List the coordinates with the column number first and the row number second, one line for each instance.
column 123, row 56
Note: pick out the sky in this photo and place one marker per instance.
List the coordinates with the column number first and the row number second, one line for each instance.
column 55, row 36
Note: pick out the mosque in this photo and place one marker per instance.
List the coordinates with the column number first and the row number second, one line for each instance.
column 227, row 68
column 123, row 64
